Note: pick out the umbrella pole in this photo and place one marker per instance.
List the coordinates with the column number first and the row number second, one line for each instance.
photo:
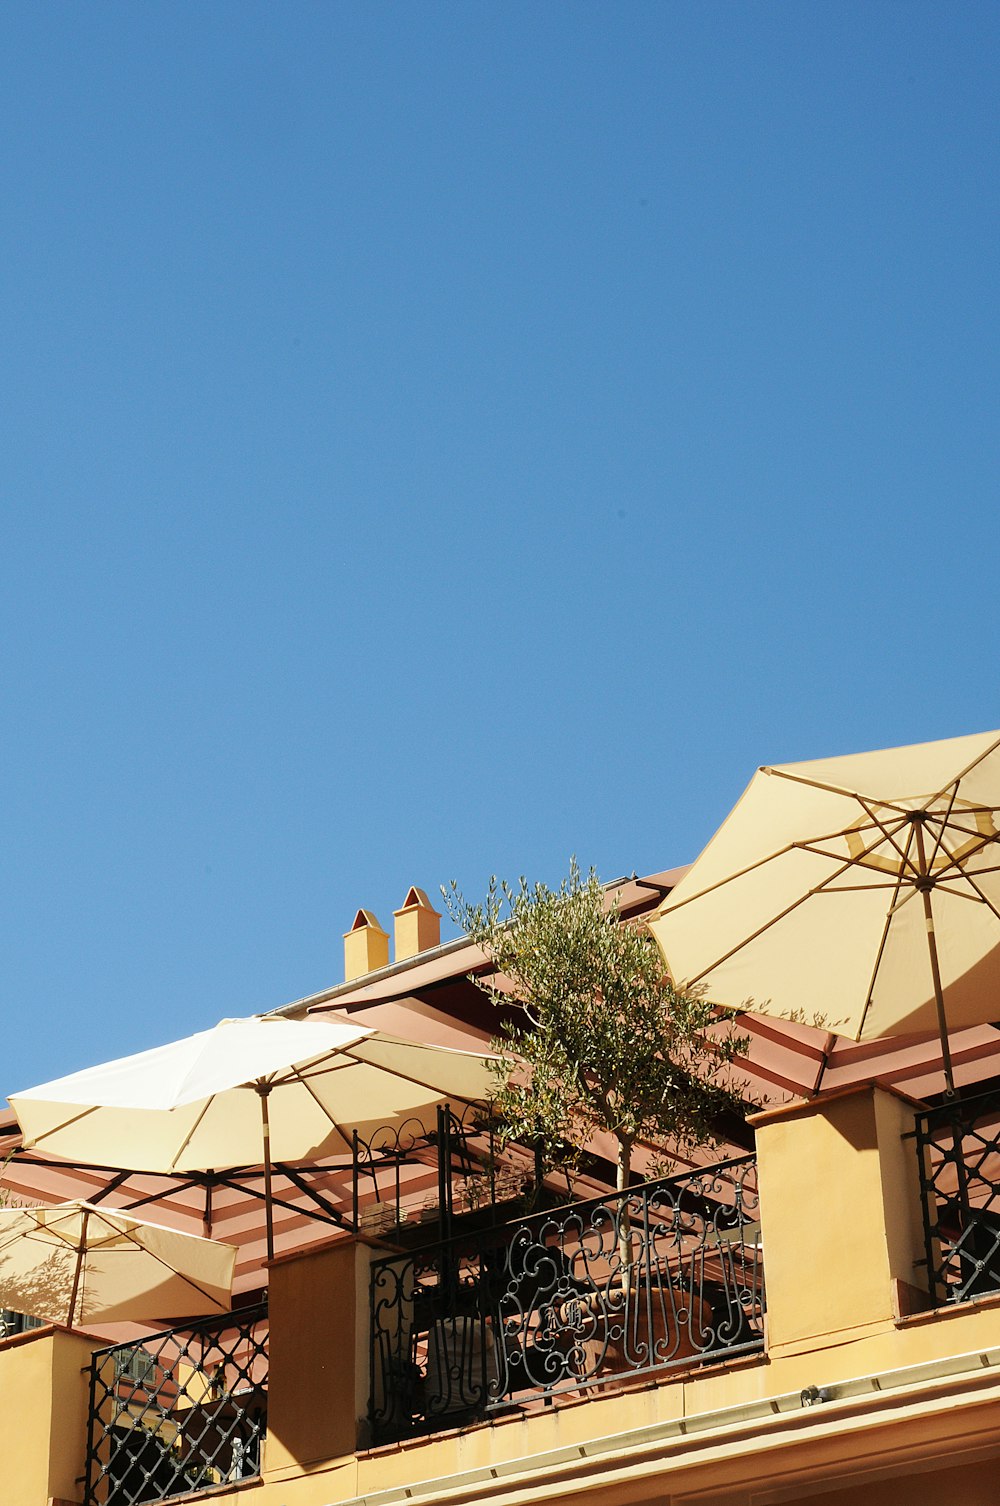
column 949, row 1076
column 925, row 884
column 264, row 1089
column 81, row 1255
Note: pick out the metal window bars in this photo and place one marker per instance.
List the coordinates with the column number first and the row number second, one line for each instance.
column 958, row 1151
column 12, row 1323
column 669, row 1273
column 179, row 1411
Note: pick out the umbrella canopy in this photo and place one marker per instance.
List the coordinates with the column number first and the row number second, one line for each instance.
column 76, row 1262
column 247, row 1092
column 860, row 892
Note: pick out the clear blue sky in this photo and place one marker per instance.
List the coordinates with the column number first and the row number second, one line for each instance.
column 440, row 438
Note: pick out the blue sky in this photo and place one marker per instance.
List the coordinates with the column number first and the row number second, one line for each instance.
column 441, row 438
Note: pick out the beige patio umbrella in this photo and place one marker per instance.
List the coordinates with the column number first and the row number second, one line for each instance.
column 247, row 1092
column 861, row 893
column 75, row 1262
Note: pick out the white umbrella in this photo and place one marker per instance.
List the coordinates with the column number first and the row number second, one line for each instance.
column 247, row 1092
column 76, row 1262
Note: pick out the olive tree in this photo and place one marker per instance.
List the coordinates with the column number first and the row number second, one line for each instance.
column 603, row 1040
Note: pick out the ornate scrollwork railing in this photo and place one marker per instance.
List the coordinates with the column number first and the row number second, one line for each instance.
column 958, row 1150
column 668, row 1273
column 462, row 1180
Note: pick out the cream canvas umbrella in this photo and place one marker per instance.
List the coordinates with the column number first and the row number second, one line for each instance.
column 76, row 1262
column 247, row 1092
column 861, row 892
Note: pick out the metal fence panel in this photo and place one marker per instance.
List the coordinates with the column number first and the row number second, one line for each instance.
column 958, row 1148
column 668, row 1273
column 178, row 1411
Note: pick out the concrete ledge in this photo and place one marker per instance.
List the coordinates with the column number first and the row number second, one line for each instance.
column 870, row 1400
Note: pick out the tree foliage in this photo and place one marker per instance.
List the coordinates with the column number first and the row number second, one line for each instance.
column 606, row 1042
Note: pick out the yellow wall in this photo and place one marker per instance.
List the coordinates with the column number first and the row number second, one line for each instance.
column 43, row 1417
column 840, row 1210
column 314, row 1387
column 912, row 1416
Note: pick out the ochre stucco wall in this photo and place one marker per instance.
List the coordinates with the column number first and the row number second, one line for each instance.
column 43, row 1417
column 840, row 1227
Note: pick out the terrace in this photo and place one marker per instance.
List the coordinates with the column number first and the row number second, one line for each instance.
column 516, row 1313
column 431, row 1303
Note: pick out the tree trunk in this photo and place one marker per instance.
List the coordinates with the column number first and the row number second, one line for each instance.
column 623, row 1178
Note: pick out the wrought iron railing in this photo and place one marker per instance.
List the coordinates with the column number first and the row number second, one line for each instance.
column 669, row 1273
column 462, row 1174
column 180, row 1411
column 958, row 1149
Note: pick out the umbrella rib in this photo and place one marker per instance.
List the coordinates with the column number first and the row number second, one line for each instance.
column 309, row 1072
column 54, row 1232
column 251, row 1192
column 780, row 852
column 418, row 1082
column 17, row 1234
column 730, row 878
column 100, row 1193
column 183, row 1185
column 831, row 789
column 321, row 1105
column 835, row 789
column 836, row 857
column 190, row 1134
column 956, row 828
column 957, row 778
column 796, row 903
column 911, row 893
column 130, row 1235
column 821, row 887
column 953, row 869
column 984, row 898
column 955, row 860
column 55, row 1129
column 882, row 943
column 890, row 836
column 812, row 845
column 970, row 899
column 299, row 1181
column 944, row 822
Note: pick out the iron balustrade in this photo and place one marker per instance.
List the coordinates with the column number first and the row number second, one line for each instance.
column 460, row 1153
column 958, row 1150
column 178, row 1411
column 669, row 1273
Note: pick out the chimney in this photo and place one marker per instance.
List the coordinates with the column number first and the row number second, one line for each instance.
column 418, row 925
column 366, row 946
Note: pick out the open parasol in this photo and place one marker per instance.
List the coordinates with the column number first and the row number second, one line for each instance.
column 861, row 893
column 247, row 1092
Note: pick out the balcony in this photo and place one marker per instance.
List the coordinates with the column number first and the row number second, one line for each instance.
column 623, row 1321
column 667, row 1274
column 178, row 1412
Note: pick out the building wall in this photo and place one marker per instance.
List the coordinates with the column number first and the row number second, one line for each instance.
column 905, row 1408
column 43, row 1417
